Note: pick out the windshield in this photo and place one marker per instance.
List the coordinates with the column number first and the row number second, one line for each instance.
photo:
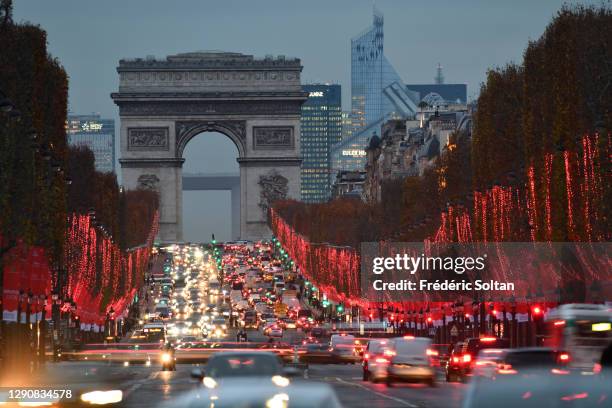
column 536, row 358
column 343, row 340
column 250, row 365
column 411, row 347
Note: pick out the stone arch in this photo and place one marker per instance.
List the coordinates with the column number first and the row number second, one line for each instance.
column 235, row 130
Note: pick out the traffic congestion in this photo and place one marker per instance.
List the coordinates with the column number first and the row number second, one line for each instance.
column 229, row 325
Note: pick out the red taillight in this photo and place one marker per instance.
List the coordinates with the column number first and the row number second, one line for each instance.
column 366, row 356
column 488, row 339
column 431, row 352
column 389, row 353
column 467, row 358
column 381, row 360
column 506, row 369
column 455, row 359
column 409, row 337
column 564, row 357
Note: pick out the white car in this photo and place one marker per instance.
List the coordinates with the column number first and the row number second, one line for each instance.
column 273, row 330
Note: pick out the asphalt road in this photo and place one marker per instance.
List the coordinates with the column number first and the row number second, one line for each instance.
column 149, row 387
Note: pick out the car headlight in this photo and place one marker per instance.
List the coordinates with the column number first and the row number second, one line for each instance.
column 209, row 382
column 102, row 397
column 166, row 357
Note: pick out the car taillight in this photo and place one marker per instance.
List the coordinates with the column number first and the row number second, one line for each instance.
column 366, row 356
column 564, row 358
column 467, row 358
column 382, row 360
column 389, row 353
column 455, row 359
column 506, row 369
column 431, row 352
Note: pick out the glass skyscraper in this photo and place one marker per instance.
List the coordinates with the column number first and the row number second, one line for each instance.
column 96, row 133
column 321, row 128
column 377, row 95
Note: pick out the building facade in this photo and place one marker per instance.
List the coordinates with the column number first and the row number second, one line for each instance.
column 377, row 95
column 320, row 129
column 97, row 134
column 349, row 184
column 409, row 148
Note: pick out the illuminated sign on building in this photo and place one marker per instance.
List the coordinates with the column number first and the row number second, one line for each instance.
column 91, row 126
column 354, row 153
column 315, row 94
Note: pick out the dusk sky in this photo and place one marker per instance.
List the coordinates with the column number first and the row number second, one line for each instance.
column 89, row 38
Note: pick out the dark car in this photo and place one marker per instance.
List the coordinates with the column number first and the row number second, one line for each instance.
column 461, row 361
column 537, row 377
column 375, row 360
column 316, row 353
column 243, row 364
column 513, row 361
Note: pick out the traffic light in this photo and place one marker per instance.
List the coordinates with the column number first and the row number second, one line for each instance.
column 537, row 311
column 340, row 308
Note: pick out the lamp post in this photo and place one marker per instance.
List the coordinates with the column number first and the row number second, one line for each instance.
column 55, row 318
column 42, row 329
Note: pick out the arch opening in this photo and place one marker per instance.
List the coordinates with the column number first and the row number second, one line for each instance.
column 211, row 187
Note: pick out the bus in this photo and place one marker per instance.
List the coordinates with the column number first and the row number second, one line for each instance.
column 583, row 330
column 154, row 332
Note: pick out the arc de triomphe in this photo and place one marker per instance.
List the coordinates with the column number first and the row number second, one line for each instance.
column 255, row 102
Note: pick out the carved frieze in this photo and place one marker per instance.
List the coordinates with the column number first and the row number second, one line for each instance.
column 148, row 138
column 148, row 182
column 209, row 108
column 273, row 137
column 185, row 128
column 273, row 187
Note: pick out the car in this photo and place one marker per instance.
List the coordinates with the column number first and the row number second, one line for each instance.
column 461, row 361
column 514, row 361
column 254, row 379
column 486, row 362
column 342, row 347
column 315, row 353
column 439, row 354
column 289, row 323
column 273, row 330
column 319, row 332
column 375, row 360
column 409, row 361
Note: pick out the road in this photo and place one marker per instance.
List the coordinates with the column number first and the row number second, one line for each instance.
column 149, row 387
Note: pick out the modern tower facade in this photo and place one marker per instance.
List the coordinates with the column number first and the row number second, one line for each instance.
column 321, row 128
column 96, row 133
column 377, row 95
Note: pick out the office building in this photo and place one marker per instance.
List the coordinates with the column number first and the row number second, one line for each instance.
column 321, row 128
column 96, row 133
column 377, row 95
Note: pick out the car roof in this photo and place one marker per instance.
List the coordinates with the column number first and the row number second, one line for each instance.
column 229, row 354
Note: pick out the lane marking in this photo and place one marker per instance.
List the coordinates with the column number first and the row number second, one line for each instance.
column 380, row 394
column 140, row 383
